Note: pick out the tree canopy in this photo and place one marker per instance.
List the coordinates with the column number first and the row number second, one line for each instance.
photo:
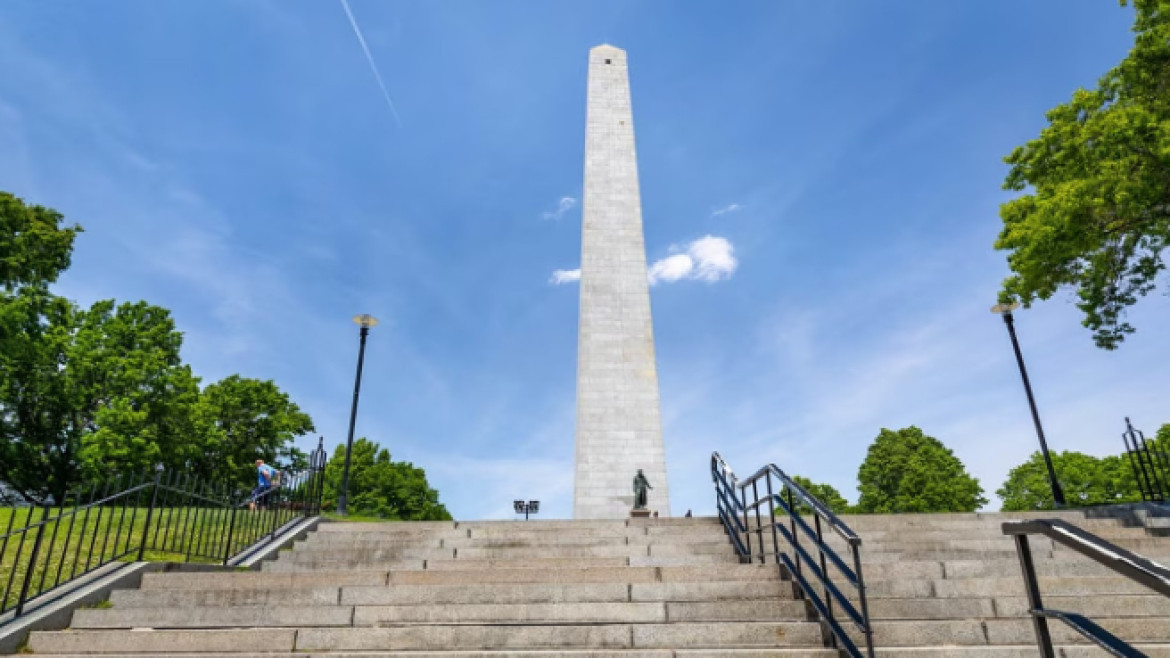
column 1086, row 480
column 822, row 492
column 240, row 420
column 35, row 247
column 90, row 392
column 907, row 471
column 1096, row 215
column 380, row 487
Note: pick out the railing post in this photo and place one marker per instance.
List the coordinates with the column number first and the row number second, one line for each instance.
column 772, row 521
column 32, row 563
column 828, row 594
column 1039, row 622
column 158, row 471
column 227, row 551
column 747, row 528
column 862, row 599
column 792, row 528
column 759, row 523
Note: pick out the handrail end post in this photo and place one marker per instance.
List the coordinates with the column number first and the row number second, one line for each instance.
column 1035, row 603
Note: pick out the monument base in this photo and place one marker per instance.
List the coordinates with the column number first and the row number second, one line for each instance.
column 639, row 514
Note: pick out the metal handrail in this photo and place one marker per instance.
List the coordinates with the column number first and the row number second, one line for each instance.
column 731, row 506
column 1124, row 562
column 178, row 515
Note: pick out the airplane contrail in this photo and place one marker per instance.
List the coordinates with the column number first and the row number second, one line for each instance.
column 370, row 58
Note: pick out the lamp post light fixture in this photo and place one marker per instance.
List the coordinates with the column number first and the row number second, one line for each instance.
column 1005, row 310
column 365, row 321
column 521, row 507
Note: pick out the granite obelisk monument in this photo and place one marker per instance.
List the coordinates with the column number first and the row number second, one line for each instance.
column 619, row 427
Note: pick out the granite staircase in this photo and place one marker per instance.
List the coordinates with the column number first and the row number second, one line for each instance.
column 939, row 585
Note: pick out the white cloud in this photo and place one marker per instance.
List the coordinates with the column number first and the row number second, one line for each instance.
column 564, row 205
column 709, row 258
column 560, row 277
column 729, row 208
column 714, row 258
column 671, row 268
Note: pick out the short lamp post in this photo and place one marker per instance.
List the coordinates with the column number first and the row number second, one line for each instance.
column 1005, row 310
column 365, row 322
column 521, row 507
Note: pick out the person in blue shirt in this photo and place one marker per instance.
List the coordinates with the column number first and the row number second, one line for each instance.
column 267, row 478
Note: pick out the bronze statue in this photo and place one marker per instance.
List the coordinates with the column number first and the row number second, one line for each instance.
column 641, row 484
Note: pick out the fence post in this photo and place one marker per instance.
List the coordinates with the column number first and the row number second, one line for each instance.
column 227, row 551
column 32, row 562
column 316, row 477
column 158, row 471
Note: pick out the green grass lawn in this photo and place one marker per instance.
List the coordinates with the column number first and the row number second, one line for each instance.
column 71, row 544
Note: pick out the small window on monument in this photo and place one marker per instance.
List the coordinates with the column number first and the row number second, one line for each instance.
column 608, row 61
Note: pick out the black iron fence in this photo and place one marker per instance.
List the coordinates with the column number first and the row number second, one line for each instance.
column 1150, row 463
column 158, row 516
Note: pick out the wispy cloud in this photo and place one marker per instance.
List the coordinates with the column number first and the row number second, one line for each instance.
column 560, row 277
column 710, row 258
column 370, row 58
column 729, row 208
column 564, row 205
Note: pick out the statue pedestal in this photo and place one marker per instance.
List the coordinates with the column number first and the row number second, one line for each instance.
column 639, row 514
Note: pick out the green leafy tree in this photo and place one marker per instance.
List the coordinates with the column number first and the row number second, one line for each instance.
column 381, row 487
column 908, row 471
column 822, row 492
column 1097, row 213
column 239, row 420
column 86, row 393
column 35, row 247
column 1086, row 480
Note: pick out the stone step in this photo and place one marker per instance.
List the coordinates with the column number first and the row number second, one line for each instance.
column 256, row 640
column 266, row 580
column 1072, row 516
column 214, row 617
column 387, row 527
column 1005, row 566
column 277, row 580
column 1150, row 605
column 983, row 587
column 472, row 564
column 596, row 636
column 431, row 637
column 1078, row 566
column 373, row 540
column 225, row 598
column 307, row 555
column 1008, row 631
column 576, row 593
column 642, row 545
column 536, row 563
column 539, row 613
column 879, row 536
column 591, row 612
column 1010, row 651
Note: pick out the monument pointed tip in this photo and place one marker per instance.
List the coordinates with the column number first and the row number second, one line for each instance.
column 606, row 46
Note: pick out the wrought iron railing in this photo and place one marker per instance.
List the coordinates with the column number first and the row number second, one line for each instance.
column 795, row 561
column 1126, row 563
column 161, row 516
column 1150, row 463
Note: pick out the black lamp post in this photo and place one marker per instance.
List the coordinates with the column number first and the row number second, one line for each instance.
column 365, row 322
column 521, row 507
column 1006, row 311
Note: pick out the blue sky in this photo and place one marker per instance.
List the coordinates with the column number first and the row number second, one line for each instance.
column 236, row 162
